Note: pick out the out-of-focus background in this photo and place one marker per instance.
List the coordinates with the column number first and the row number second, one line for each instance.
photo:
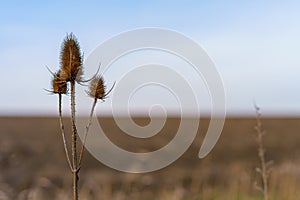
column 254, row 46
column 33, row 164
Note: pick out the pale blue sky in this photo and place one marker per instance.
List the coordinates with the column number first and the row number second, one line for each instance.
column 255, row 45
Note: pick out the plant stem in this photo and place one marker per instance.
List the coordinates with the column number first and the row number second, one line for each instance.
column 265, row 167
column 75, row 170
column 62, row 128
column 86, row 132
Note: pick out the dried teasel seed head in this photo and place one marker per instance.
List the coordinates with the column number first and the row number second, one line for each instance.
column 59, row 83
column 97, row 88
column 71, row 58
column 62, row 75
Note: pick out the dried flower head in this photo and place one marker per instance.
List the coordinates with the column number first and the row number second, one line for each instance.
column 71, row 58
column 59, row 83
column 97, row 88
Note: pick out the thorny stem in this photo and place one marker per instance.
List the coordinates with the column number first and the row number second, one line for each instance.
column 62, row 128
column 264, row 170
column 86, row 132
column 74, row 143
column 75, row 170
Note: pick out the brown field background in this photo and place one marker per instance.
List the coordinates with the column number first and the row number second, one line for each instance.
column 33, row 164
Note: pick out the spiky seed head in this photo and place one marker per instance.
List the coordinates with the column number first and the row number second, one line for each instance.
column 71, row 58
column 62, row 75
column 59, row 83
column 97, row 88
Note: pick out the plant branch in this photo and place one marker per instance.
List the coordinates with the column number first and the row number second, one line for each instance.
column 86, row 132
column 62, row 128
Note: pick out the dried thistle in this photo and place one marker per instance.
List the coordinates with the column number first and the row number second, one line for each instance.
column 59, row 83
column 97, row 88
column 71, row 58
column 71, row 71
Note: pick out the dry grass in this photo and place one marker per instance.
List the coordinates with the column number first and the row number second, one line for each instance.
column 33, row 167
column 265, row 167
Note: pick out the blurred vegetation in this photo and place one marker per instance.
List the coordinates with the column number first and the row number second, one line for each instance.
column 33, row 165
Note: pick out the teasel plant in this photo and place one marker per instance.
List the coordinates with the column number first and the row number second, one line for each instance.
column 265, row 168
column 70, row 73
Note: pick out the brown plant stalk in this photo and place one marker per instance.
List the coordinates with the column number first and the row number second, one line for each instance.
column 96, row 91
column 86, row 132
column 60, row 87
column 265, row 167
column 75, row 170
column 62, row 128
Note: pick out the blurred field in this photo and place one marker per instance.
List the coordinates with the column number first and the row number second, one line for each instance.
column 33, row 164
